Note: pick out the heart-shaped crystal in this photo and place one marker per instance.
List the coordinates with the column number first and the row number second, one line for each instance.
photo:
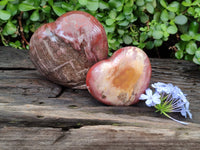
column 121, row 79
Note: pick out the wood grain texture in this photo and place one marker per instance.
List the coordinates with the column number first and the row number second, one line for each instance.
column 99, row 137
column 26, row 82
column 38, row 114
column 11, row 58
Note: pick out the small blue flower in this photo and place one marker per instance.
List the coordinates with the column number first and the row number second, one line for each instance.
column 167, row 98
column 162, row 87
column 174, row 91
column 177, row 93
column 185, row 111
column 151, row 99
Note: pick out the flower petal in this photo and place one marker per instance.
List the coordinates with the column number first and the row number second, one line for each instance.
column 149, row 92
column 183, row 112
column 143, row 97
column 187, row 110
column 156, row 101
column 158, row 85
column 156, row 95
column 149, row 103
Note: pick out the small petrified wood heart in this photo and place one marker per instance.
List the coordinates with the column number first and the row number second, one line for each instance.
column 64, row 50
column 121, row 79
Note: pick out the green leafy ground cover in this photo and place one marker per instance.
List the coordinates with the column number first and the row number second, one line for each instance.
column 159, row 26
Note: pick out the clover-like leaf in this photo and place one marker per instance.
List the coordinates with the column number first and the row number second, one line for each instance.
column 187, row 3
column 136, row 43
column 171, row 15
column 131, row 18
column 172, row 29
column 3, row 3
column 181, row 45
column 5, row 15
column 9, row 28
column 179, row 54
column 12, row 9
column 15, row 44
column 130, row 3
column 110, row 21
column 191, row 47
column 157, row 34
column 156, row 16
column 58, row 10
column 26, row 7
column 158, row 42
column 92, row 5
column 35, row 16
column 150, row 8
column 191, row 11
column 188, row 57
column 174, row 6
column 140, row 2
column 127, row 39
column 50, row 2
column 163, row 3
column 110, row 29
column 115, row 3
column 103, row 5
column 150, row 45
column 46, row 9
column 197, row 37
column 181, row 19
column 99, row 15
column 164, row 16
column 196, row 58
column 119, row 9
column 127, row 10
column 186, row 37
column 144, row 18
column 120, row 17
column 112, row 14
column 67, row 7
column 143, row 36
column 123, row 23
column 82, row 2
column 120, row 31
column 197, row 54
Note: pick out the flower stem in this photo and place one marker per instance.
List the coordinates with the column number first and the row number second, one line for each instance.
column 184, row 123
column 2, row 38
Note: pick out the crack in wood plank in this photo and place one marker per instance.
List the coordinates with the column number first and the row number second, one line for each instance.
column 59, row 138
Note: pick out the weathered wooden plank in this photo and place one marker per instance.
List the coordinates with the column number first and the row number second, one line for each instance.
column 71, row 112
column 18, row 75
column 116, row 137
column 11, row 58
column 22, row 88
column 12, row 138
column 31, row 104
column 26, row 82
column 100, row 137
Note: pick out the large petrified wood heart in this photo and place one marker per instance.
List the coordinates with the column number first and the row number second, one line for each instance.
column 64, row 50
column 121, row 79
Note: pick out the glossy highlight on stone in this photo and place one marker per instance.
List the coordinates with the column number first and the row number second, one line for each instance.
column 64, row 50
column 121, row 79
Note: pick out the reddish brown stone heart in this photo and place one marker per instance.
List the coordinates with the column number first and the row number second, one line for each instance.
column 64, row 50
column 121, row 79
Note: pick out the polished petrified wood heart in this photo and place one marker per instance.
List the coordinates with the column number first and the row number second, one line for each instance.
column 64, row 50
column 121, row 79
